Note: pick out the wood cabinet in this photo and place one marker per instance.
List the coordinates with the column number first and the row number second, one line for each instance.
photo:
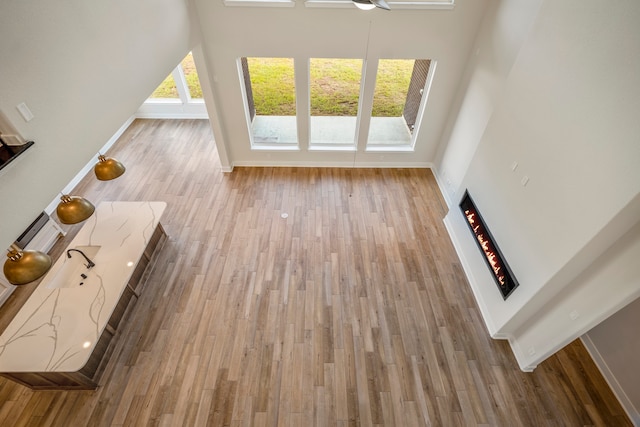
column 88, row 376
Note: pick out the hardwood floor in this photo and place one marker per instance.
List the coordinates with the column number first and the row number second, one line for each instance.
column 353, row 310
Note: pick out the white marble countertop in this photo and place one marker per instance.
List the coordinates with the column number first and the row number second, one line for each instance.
column 57, row 328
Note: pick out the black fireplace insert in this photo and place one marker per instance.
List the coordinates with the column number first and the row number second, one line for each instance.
column 499, row 268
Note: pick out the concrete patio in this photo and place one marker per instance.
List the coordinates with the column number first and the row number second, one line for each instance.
column 330, row 130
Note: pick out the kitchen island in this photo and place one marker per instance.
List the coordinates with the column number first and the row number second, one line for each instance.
column 62, row 337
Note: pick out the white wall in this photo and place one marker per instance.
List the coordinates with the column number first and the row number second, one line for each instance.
column 614, row 344
column 565, row 111
column 301, row 33
column 504, row 29
column 605, row 286
column 83, row 68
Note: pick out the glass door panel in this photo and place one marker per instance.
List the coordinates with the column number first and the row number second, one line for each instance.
column 334, row 86
column 166, row 90
column 271, row 100
column 397, row 99
column 191, row 77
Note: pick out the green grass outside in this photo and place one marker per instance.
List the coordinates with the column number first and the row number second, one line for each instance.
column 334, row 86
column 167, row 88
column 273, row 86
column 392, row 85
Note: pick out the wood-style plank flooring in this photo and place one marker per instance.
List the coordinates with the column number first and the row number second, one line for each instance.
column 353, row 310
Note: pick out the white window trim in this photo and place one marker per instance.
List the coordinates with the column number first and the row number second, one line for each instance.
column 181, row 84
column 389, row 148
column 332, row 147
column 260, row 3
column 183, row 107
column 258, row 146
column 442, row 5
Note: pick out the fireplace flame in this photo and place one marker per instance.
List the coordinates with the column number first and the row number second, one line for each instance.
column 486, row 246
column 496, row 263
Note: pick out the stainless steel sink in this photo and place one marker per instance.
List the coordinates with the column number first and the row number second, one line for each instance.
column 74, row 271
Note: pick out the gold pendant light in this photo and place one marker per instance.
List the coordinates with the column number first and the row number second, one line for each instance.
column 73, row 209
column 107, row 168
column 22, row 267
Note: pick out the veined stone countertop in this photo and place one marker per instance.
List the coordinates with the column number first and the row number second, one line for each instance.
column 57, row 328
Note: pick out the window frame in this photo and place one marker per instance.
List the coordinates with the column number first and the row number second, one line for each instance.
column 259, row 3
column 441, row 5
column 182, row 107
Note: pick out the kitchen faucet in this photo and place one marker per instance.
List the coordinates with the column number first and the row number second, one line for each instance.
column 89, row 262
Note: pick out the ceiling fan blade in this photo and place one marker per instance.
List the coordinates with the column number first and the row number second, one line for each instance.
column 364, row 4
column 381, row 4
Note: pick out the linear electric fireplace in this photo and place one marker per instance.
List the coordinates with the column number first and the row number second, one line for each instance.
column 500, row 270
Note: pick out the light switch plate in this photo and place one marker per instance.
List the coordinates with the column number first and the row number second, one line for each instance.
column 27, row 115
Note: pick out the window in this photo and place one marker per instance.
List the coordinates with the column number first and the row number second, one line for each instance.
column 166, row 90
column 191, row 77
column 393, row 4
column 181, row 84
column 260, row 3
column 270, row 101
column 334, row 86
column 397, row 102
column 178, row 96
column 331, row 104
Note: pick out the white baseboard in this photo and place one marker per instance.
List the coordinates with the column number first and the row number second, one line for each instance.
column 346, row 165
column 627, row 405
column 172, row 110
column 452, row 224
column 443, row 188
column 179, row 116
column 520, row 356
column 349, row 165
